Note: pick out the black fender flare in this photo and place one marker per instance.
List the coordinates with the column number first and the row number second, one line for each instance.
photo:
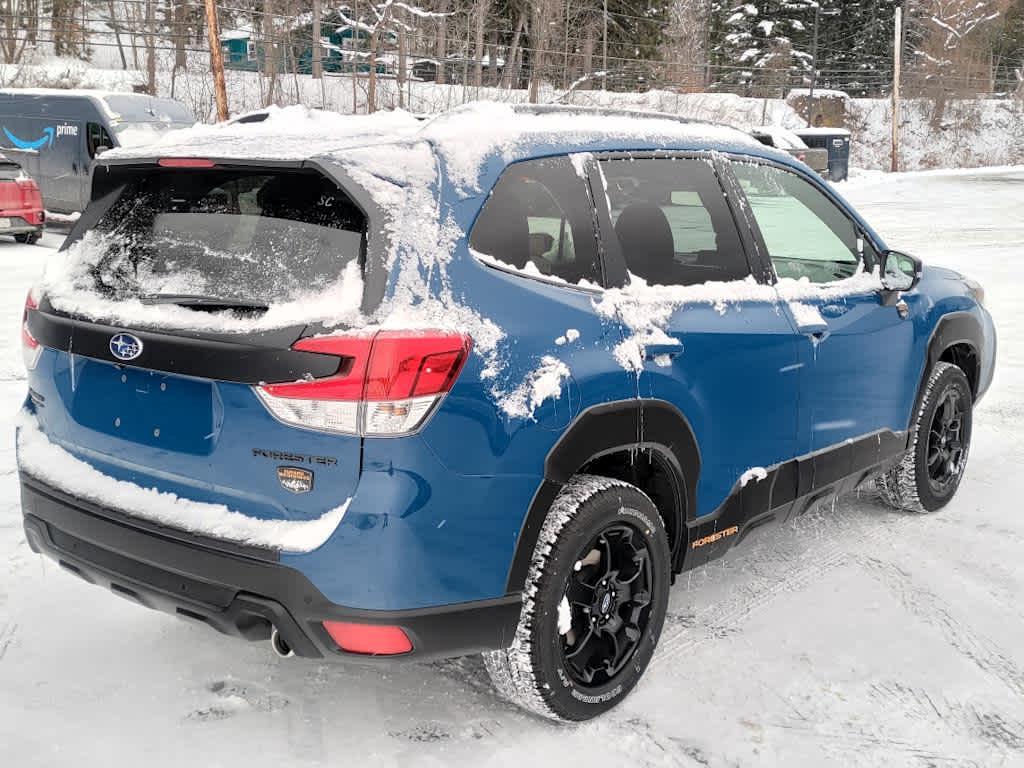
column 636, row 424
column 951, row 329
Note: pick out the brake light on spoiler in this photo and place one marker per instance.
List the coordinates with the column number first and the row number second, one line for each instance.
column 185, row 162
column 387, row 383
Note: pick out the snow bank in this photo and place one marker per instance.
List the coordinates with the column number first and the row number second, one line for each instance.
column 42, row 459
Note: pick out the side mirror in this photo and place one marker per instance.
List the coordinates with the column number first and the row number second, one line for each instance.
column 900, row 271
column 101, row 149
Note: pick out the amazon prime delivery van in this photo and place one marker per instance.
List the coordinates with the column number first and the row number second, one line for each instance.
column 55, row 134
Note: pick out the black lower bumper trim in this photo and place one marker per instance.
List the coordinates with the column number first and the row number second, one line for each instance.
column 241, row 595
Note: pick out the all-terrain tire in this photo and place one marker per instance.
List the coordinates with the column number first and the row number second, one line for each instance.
column 909, row 485
column 533, row 672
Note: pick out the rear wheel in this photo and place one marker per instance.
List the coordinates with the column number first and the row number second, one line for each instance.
column 596, row 597
column 929, row 475
column 29, row 238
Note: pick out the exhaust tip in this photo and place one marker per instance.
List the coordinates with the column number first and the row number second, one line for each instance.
column 281, row 648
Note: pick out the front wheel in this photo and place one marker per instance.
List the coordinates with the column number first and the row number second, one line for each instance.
column 595, row 601
column 28, row 238
column 929, row 475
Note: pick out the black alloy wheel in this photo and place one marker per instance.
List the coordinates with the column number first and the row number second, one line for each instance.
column 609, row 597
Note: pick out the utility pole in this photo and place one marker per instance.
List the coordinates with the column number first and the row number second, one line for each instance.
column 814, row 62
column 150, row 49
column 604, row 44
column 318, row 70
column 897, row 60
column 216, row 59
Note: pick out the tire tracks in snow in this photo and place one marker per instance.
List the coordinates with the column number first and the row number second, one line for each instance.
column 787, row 560
column 805, row 550
column 7, row 633
column 929, row 608
column 964, row 717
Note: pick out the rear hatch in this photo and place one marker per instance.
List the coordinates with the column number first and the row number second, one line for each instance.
column 168, row 317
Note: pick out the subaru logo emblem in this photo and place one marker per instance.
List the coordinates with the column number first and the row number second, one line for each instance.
column 125, row 346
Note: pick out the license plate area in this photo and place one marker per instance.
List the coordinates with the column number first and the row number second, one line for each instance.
column 147, row 407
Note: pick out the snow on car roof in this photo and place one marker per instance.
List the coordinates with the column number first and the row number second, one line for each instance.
column 465, row 138
column 468, row 136
column 286, row 133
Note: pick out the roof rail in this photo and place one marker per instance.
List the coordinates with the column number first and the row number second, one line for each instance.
column 640, row 114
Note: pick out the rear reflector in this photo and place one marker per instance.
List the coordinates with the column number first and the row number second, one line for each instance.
column 368, row 639
column 30, row 348
column 185, row 162
column 387, row 383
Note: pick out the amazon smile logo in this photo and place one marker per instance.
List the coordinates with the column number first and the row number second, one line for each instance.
column 46, row 140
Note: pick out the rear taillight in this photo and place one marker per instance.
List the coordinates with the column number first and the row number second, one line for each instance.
column 387, row 383
column 30, row 348
column 31, row 201
column 369, row 639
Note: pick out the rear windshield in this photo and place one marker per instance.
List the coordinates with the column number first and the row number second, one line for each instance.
column 265, row 236
column 9, row 171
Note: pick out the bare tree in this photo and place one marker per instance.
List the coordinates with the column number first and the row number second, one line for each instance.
column 269, row 53
column 114, row 23
column 151, row 47
column 480, row 14
column 180, row 26
column 950, row 39
column 386, row 23
column 19, row 25
column 70, row 35
column 514, row 58
column 441, row 43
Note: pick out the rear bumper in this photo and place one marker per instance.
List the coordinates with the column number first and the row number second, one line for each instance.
column 18, row 224
column 241, row 592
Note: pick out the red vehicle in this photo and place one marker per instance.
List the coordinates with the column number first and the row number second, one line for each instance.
column 21, row 204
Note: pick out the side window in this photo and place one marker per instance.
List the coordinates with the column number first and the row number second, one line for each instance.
column 806, row 234
column 539, row 217
column 672, row 221
column 97, row 136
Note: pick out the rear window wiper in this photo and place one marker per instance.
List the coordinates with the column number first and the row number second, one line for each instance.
column 205, row 303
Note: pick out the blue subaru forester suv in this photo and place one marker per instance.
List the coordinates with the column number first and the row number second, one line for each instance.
column 377, row 390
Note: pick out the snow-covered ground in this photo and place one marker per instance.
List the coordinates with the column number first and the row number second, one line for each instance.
column 853, row 637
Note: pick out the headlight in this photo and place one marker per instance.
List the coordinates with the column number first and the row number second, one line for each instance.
column 974, row 288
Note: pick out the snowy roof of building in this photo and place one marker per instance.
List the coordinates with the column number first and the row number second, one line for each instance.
column 466, row 138
column 240, row 33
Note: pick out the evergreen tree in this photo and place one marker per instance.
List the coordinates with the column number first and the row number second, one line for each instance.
column 855, row 45
column 761, row 46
